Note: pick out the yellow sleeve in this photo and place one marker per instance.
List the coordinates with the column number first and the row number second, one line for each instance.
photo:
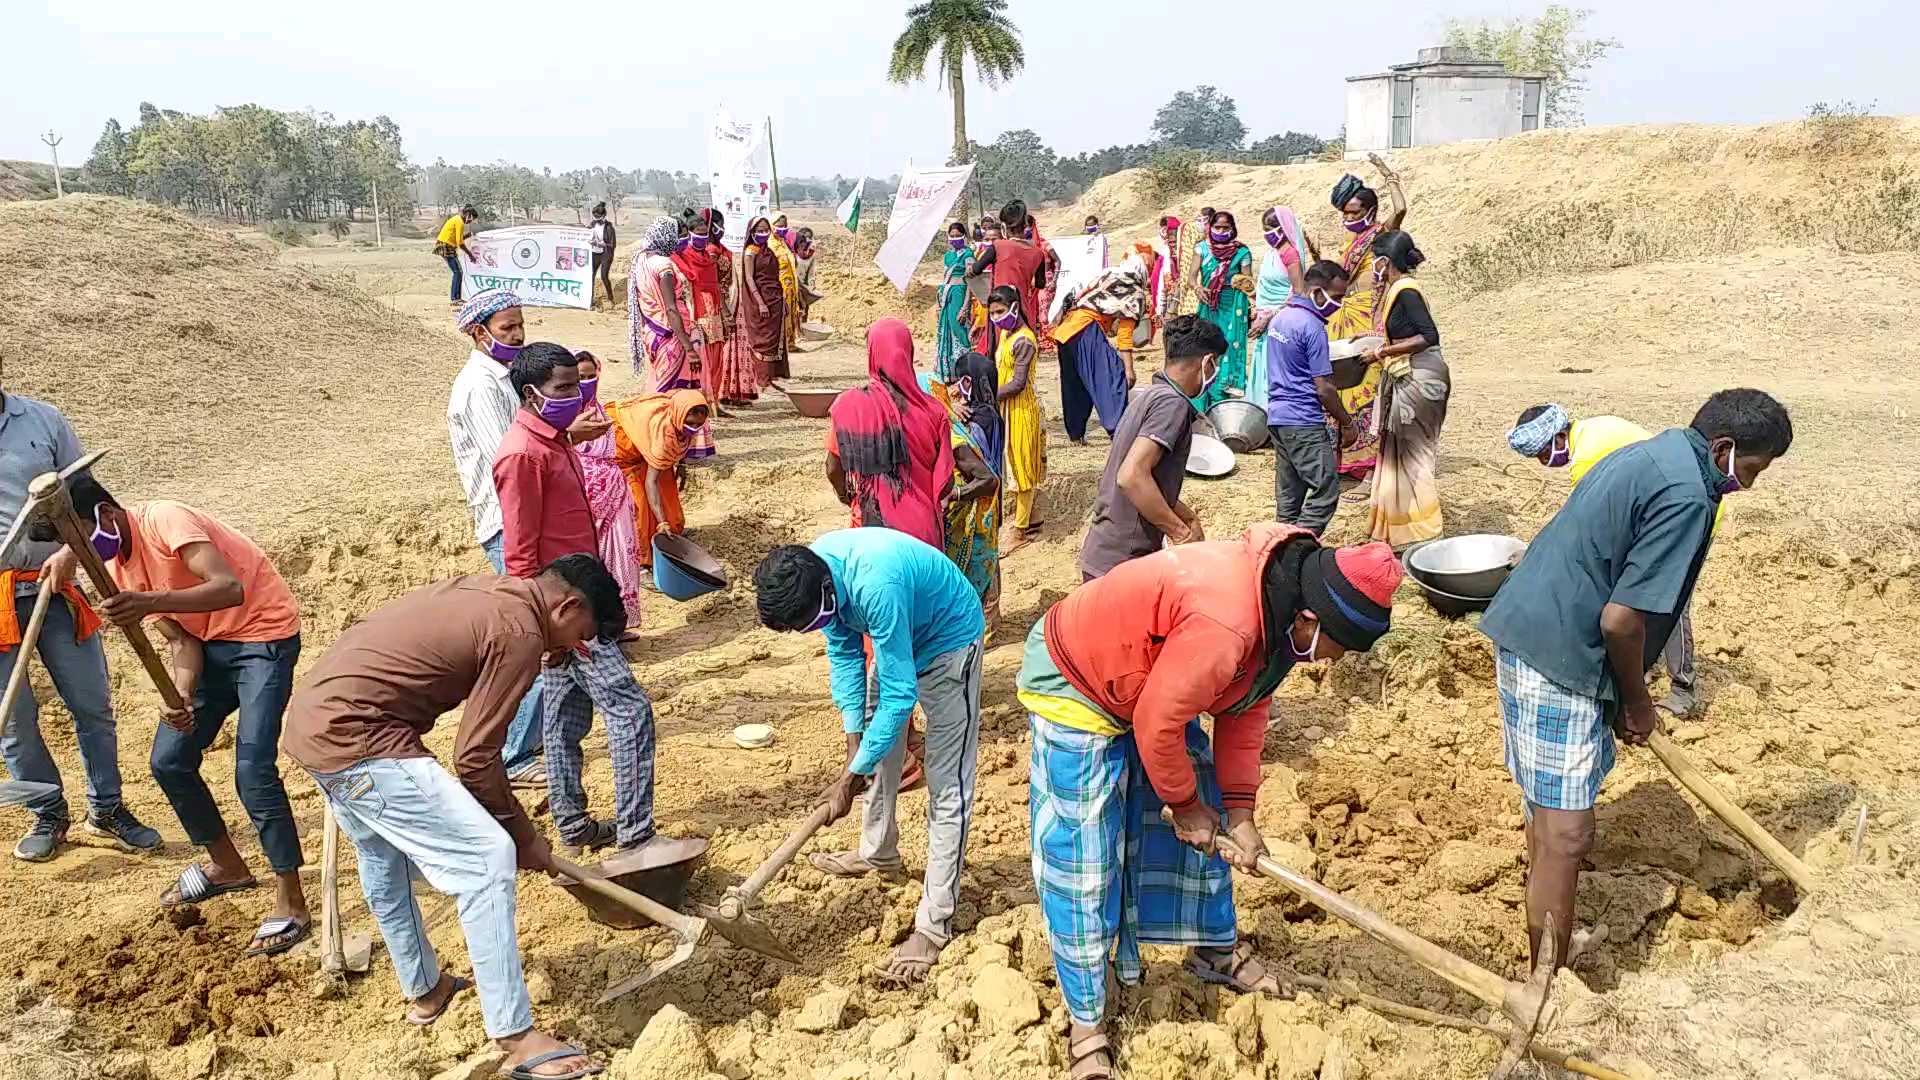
column 1123, row 334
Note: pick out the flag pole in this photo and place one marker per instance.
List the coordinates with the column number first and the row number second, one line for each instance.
column 774, row 163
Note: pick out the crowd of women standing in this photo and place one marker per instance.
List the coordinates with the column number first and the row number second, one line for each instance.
column 1397, row 387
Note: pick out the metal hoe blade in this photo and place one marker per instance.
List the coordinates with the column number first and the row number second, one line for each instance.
column 682, row 952
column 732, row 921
column 22, row 792
column 1527, row 1005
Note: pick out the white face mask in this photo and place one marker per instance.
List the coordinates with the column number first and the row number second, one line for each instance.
column 1313, row 644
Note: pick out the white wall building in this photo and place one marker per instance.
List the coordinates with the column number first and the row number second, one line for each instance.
column 1449, row 94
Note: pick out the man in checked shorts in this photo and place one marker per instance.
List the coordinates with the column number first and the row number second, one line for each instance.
column 1589, row 609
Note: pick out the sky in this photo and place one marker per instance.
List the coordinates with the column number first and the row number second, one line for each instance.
column 626, row 85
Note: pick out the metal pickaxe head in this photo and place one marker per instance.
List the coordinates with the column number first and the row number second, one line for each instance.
column 1528, row 1005
column 731, row 920
column 39, row 489
column 682, row 952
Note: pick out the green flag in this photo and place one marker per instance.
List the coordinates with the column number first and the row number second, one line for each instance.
column 850, row 206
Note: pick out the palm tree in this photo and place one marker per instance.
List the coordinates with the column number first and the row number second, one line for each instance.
column 957, row 29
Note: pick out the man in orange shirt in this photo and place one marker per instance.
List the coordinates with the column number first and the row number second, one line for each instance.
column 234, row 632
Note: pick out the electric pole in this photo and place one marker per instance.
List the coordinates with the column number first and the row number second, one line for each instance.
column 53, row 143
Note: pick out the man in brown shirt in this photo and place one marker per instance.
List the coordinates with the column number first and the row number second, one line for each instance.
column 357, row 724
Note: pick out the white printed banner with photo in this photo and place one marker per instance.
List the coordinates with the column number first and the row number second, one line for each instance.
column 739, row 173
column 918, row 187
column 545, row 265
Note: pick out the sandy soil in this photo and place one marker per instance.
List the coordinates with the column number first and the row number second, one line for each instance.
column 312, row 414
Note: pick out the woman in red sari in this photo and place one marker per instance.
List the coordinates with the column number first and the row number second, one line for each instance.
column 891, row 457
column 763, row 306
column 693, row 256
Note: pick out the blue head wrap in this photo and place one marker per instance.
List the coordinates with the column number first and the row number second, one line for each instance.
column 486, row 305
column 1537, row 434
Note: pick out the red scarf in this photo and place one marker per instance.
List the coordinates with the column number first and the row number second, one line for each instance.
column 893, row 439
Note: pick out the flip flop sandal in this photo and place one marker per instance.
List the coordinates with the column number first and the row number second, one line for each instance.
column 277, row 935
column 524, row 1070
column 418, row 1020
column 884, row 974
column 194, row 886
column 1232, row 978
column 1080, row 1054
column 535, row 777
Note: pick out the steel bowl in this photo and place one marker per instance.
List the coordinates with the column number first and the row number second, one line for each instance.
column 814, row 330
column 1209, row 457
column 1350, row 362
column 1240, row 424
column 1462, row 573
column 814, row 404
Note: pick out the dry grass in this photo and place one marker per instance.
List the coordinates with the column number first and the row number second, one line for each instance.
column 37, row 1041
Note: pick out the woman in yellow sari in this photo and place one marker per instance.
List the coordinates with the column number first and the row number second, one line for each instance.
column 782, row 246
column 1361, row 312
column 1414, row 388
column 1016, row 355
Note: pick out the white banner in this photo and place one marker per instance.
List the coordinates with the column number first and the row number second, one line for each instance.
column 1081, row 260
column 739, row 172
column 918, row 187
column 544, row 265
column 920, row 210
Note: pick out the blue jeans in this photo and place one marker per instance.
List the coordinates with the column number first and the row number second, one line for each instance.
column 410, row 813
column 524, row 736
column 254, row 679
column 79, row 673
column 453, row 264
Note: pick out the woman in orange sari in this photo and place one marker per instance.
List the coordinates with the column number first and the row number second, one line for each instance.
column 651, row 436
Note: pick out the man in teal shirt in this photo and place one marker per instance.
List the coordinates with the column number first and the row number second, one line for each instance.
column 924, row 622
column 1588, row 610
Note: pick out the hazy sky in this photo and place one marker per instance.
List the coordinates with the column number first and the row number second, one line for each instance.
column 625, row 85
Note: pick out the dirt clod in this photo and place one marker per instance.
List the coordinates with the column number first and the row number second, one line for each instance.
column 1005, row 999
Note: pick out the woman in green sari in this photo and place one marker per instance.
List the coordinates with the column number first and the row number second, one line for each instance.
column 1226, row 301
column 955, row 335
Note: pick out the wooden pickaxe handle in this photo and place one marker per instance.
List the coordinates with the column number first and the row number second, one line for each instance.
column 1741, row 822
column 59, row 511
column 28, row 639
column 685, row 926
column 332, row 941
column 778, row 861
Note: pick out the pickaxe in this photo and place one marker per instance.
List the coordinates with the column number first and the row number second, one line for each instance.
column 1716, row 800
column 1525, row 1004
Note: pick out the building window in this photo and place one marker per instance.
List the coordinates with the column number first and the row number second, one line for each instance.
column 1402, row 113
column 1530, row 106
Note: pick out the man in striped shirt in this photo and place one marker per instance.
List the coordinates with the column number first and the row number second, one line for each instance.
column 479, row 412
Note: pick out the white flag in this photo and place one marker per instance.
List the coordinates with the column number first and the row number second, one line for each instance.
column 850, row 206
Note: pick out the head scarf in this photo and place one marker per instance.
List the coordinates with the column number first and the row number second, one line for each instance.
column 1537, row 434
column 654, row 424
column 1291, row 232
column 754, row 227
column 660, row 236
column 484, row 306
column 1345, row 189
column 982, row 407
column 697, row 266
column 1223, row 256
column 892, row 438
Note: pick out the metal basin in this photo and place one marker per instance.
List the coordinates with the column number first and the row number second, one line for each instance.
column 1462, row 573
column 1242, row 425
column 664, row 884
column 1209, row 457
column 1350, row 362
column 814, row 404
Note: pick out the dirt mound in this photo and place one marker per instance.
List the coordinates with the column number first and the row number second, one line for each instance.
column 179, row 347
column 25, row 180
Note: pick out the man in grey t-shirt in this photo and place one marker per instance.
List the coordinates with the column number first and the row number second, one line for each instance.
column 1139, row 502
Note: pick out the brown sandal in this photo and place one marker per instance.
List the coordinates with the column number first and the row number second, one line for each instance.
column 1234, row 976
column 1080, row 1057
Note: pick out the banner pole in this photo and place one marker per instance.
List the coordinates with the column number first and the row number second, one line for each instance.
column 774, row 163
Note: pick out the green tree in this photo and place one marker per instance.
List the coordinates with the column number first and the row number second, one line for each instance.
column 1551, row 45
column 948, row 32
column 1280, row 149
column 1200, row 119
column 1017, row 165
column 106, row 169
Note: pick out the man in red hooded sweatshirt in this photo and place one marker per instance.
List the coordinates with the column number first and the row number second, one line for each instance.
column 1115, row 678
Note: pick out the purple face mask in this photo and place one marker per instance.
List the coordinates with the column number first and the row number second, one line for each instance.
column 1273, row 238
column 1008, row 321
column 560, row 412
column 958, row 243
column 1365, row 223
column 589, row 390
column 1221, row 236
column 829, row 607
column 105, row 544
column 698, row 243
column 1559, row 457
column 761, row 238
column 1091, row 229
column 502, row 353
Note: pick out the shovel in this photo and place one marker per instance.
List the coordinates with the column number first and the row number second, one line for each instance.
column 691, row 930
column 338, row 951
column 1741, row 822
column 1525, row 1004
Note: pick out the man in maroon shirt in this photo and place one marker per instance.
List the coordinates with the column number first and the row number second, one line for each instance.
column 1019, row 262
column 544, row 515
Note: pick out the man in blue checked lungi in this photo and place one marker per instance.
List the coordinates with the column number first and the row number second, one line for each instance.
column 1115, row 678
column 1589, row 609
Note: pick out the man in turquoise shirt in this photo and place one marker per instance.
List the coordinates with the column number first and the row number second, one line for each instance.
column 1588, row 610
column 924, row 622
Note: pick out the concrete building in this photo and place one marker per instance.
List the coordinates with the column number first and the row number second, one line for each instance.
column 1449, row 94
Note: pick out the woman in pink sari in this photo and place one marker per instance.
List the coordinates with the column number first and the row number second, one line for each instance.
column 608, row 497
column 891, row 457
column 667, row 352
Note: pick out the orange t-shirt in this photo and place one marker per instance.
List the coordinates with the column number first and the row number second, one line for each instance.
column 151, row 562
